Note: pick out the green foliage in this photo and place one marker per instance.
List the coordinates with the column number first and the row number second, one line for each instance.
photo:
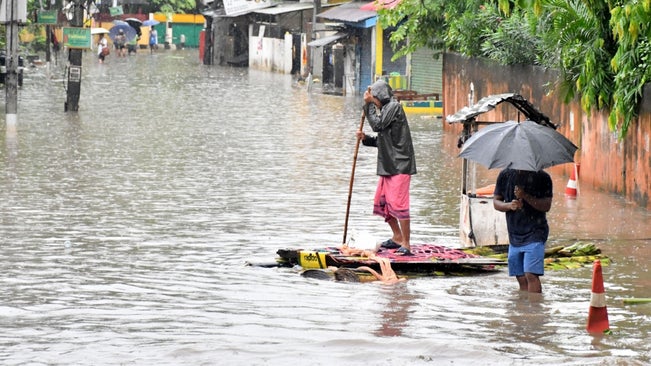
column 421, row 22
column 601, row 48
column 511, row 42
column 174, row 6
column 575, row 39
column 468, row 32
column 631, row 63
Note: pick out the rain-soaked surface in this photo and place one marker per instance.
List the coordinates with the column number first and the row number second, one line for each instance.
column 125, row 229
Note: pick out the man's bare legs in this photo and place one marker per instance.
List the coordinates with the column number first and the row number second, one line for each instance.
column 529, row 282
column 401, row 231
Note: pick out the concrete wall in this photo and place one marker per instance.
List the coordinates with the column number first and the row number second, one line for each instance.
column 622, row 167
column 270, row 54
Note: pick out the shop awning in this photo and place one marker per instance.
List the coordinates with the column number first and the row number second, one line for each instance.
column 326, row 40
column 220, row 13
column 349, row 12
column 285, row 8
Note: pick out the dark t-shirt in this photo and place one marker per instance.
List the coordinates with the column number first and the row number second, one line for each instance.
column 526, row 225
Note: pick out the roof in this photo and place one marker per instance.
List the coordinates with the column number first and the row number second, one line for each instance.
column 349, row 12
column 284, row 8
column 220, row 13
column 380, row 4
column 326, row 40
column 488, row 103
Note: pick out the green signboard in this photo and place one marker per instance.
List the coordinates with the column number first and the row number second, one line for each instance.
column 115, row 11
column 76, row 37
column 47, row 17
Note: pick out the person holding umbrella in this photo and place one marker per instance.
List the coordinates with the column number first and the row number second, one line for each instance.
column 525, row 197
column 102, row 48
column 396, row 162
column 120, row 43
column 523, row 190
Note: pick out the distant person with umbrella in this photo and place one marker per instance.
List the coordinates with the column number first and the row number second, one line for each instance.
column 525, row 197
column 102, row 48
column 120, row 43
column 523, row 190
column 396, row 162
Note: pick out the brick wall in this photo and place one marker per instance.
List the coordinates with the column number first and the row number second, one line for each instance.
column 607, row 164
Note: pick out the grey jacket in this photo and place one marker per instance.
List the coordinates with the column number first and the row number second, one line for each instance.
column 393, row 140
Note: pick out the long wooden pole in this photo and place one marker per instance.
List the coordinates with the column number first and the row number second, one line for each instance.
column 352, row 178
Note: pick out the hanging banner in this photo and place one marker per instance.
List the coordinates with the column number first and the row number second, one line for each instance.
column 115, row 11
column 47, row 17
column 76, row 37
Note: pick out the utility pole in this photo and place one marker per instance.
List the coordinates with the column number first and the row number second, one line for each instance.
column 316, row 10
column 74, row 62
column 11, row 16
column 48, row 35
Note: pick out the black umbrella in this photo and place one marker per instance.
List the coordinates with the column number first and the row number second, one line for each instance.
column 135, row 23
column 521, row 146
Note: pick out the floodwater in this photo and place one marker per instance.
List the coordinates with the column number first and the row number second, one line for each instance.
column 126, row 229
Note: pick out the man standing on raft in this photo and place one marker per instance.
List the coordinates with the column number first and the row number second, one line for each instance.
column 396, row 162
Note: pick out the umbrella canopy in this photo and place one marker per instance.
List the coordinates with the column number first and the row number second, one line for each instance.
column 98, row 31
column 521, row 146
column 135, row 23
column 150, row 22
column 128, row 30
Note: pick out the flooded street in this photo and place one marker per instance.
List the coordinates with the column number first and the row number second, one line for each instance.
column 125, row 230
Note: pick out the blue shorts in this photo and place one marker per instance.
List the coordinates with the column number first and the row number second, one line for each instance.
column 527, row 258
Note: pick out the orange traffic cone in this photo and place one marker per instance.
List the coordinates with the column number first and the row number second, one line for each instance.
column 572, row 186
column 598, row 314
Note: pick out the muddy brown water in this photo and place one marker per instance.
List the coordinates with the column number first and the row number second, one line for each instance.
column 125, row 229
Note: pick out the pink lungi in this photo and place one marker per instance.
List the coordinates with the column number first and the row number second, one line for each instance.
column 392, row 197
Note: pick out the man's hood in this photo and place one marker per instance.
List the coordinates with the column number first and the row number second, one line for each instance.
column 382, row 91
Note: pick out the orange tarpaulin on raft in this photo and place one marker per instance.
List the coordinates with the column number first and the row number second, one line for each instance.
column 486, row 191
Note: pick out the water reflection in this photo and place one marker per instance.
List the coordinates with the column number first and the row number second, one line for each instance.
column 528, row 317
column 397, row 306
column 125, row 229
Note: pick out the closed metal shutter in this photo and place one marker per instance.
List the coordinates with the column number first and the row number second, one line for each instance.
column 426, row 72
column 367, row 63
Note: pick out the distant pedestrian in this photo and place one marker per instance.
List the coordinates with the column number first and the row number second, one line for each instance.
column 120, row 43
column 153, row 40
column 132, row 46
column 55, row 42
column 182, row 40
column 102, row 48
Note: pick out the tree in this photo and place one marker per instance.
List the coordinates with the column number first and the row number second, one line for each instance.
column 174, row 6
column 601, row 48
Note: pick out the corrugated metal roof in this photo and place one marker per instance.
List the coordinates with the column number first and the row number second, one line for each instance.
column 220, row 13
column 490, row 102
column 349, row 12
column 326, row 40
column 285, row 8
